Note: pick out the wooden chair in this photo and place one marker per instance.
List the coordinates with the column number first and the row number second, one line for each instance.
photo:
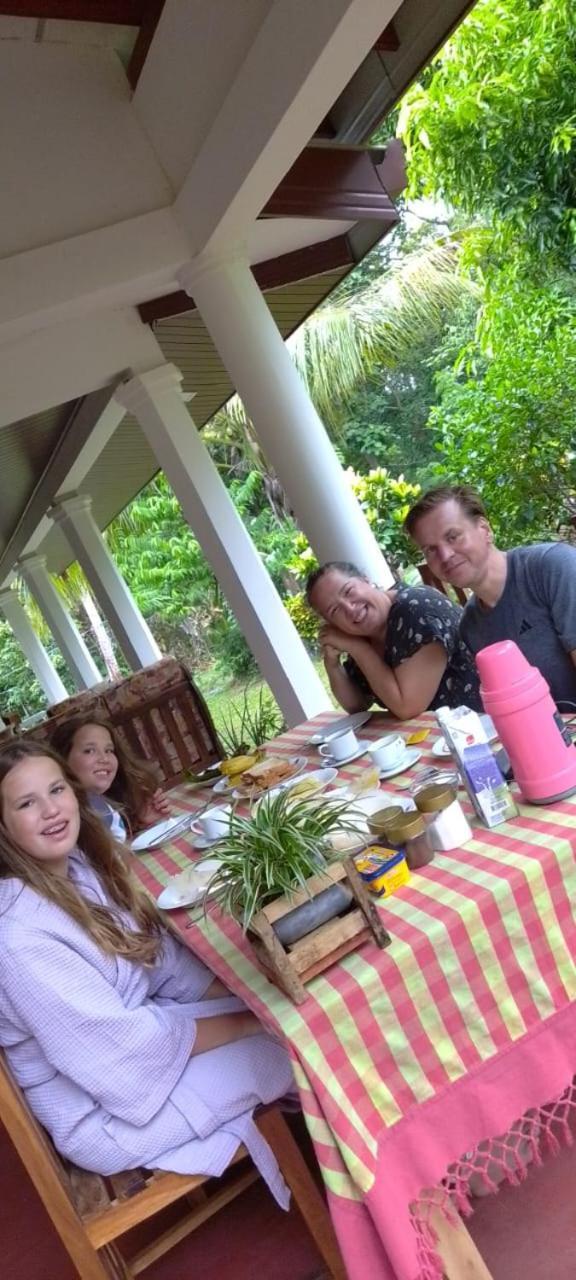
column 90, row 1212
column 430, row 580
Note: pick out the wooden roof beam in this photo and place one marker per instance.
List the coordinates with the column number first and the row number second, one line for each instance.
column 345, row 183
column 129, row 13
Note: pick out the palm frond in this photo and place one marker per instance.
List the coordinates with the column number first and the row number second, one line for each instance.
column 346, row 341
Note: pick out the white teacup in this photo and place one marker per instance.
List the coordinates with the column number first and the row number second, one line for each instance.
column 213, row 824
column 340, row 746
column 388, row 752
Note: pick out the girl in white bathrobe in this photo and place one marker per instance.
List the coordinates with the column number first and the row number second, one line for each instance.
column 129, row 1050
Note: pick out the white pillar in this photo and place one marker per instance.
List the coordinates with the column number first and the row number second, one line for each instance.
column 79, row 660
column 284, row 418
column 32, row 647
column 156, row 400
column 118, row 605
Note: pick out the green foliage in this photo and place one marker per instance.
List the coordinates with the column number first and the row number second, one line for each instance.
column 232, row 657
column 492, row 130
column 159, row 556
column 19, row 689
column 508, row 427
column 387, row 419
column 385, row 502
column 304, row 618
column 250, row 723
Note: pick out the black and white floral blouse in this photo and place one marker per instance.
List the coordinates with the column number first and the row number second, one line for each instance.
column 421, row 616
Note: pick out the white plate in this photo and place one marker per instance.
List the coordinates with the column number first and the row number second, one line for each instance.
column 363, row 747
column 440, row 748
column 340, row 726
column 411, row 757
column 161, row 832
column 188, row 887
column 323, row 777
column 299, row 764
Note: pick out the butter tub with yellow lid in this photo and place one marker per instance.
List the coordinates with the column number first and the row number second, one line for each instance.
column 383, row 870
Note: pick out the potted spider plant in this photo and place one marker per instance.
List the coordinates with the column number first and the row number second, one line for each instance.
column 274, row 851
column 301, row 905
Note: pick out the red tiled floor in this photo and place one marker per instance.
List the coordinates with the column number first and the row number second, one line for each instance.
column 251, row 1239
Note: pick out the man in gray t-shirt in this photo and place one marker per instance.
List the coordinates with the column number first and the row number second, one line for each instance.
column 527, row 595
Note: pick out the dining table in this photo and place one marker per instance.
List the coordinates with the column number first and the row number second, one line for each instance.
column 434, row 1069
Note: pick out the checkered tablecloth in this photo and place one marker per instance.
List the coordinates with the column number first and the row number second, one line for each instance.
column 408, row 1057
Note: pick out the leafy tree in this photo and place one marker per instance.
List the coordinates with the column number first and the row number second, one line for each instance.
column 508, row 426
column 19, row 688
column 491, row 128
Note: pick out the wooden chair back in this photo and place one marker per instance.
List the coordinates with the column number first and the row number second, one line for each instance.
column 159, row 713
column 90, row 1212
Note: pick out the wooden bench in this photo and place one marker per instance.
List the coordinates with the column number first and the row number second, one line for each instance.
column 90, row 1212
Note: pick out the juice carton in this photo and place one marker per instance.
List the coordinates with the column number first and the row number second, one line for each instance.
column 487, row 788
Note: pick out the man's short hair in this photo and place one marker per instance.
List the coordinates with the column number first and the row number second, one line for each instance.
column 332, row 566
column 466, row 497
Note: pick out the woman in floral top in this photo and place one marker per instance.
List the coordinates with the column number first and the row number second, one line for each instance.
column 402, row 646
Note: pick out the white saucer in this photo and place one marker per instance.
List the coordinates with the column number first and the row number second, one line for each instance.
column 330, row 762
column 411, row 757
column 202, row 842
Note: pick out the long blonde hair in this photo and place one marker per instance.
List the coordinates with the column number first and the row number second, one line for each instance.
column 108, row 859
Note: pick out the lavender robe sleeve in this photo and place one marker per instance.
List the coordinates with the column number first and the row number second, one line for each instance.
column 127, row 1059
column 178, row 974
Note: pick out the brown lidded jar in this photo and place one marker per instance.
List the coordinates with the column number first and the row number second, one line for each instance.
column 409, row 830
column 379, row 822
column 434, row 796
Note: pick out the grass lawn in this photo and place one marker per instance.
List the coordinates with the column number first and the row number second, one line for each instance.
column 223, row 698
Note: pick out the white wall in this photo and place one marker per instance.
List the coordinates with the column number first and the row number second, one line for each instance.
column 73, row 156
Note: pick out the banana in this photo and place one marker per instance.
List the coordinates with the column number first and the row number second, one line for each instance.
column 238, row 764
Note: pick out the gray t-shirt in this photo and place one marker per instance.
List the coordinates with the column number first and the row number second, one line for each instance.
column 537, row 609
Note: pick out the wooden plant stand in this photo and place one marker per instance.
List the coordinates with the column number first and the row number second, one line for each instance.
column 291, row 967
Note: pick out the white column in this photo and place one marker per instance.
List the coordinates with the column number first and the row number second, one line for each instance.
column 138, row 645
column 284, row 418
column 79, row 660
column 156, row 400
column 32, row 647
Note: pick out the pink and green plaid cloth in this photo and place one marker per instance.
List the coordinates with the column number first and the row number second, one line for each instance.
column 410, row 1057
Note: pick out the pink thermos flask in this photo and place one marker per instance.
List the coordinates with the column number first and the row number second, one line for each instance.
column 516, row 695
